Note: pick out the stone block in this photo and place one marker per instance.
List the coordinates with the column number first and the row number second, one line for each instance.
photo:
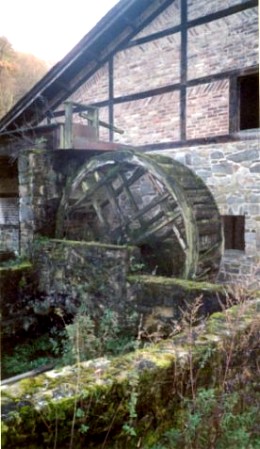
column 222, row 168
column 217, row 155
column 244, row 156
column 255, row 167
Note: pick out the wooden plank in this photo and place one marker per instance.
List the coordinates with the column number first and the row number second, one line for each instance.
column 100, row 216
column 128, row 191
column 136, row 175
column 154, row 229
column 68, row 125
column 113, row 199
column 96, row 186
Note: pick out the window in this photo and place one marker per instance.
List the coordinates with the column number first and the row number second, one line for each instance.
column 234, row 231
column 249, row 101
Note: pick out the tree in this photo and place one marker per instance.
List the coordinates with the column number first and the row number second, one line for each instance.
column 18, row 73
column 7, row 75
column 29, row 70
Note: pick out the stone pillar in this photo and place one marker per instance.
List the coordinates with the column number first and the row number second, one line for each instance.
column 39, row 196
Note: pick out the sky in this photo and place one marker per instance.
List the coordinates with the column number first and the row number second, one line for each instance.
column 49, row 29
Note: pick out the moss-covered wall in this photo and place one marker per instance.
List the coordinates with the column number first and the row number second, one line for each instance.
column 99, row 277
column 83, row 274
column 95, row 277
column 128, row 401
column 162, row 301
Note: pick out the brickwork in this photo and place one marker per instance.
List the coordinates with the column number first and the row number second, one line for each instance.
column 225, row 44
column 208, row 110
column 95, row 89
column 131, row 64
column 153, row 119
column 169, row 18
column 199, row 8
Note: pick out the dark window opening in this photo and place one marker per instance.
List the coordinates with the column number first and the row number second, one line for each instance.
column 249, row 101
column 234, row 231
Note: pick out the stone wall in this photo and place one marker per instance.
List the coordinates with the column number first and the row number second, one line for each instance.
column 38, row 195
column 70, row 276
column 42, row 178
column 99, row 277
column 232, row 173
column 230, row 170
column 17, row 288
column 84, row 274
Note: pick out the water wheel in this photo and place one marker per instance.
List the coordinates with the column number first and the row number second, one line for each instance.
column 151, row 201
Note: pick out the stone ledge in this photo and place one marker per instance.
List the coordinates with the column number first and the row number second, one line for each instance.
column 161, row 300
column 40, row 412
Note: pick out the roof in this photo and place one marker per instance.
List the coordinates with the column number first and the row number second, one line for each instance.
column 110, row 34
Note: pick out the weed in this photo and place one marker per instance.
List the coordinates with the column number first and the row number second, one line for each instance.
column 129, row 427
column 136, row 266
column 28, row 356
column 224, row 414
column 95, row 339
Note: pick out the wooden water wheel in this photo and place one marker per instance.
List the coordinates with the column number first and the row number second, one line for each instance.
column 151, row 201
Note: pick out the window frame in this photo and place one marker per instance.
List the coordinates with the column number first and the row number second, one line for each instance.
column 232, row 224
column 235, row 99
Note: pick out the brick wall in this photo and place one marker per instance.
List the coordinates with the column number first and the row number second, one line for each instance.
column 198, row 8
column 219, row 45
column 95, row 89
column 147, row 66
column 169, row 18
column 153, row 119
column 225, row 44
column 208, row 110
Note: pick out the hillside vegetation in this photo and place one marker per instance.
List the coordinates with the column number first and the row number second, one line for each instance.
column 18, row 73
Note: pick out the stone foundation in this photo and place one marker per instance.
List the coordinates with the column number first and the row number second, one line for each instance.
column 232, row 173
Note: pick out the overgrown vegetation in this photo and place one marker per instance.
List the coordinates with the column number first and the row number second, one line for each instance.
column 83, row 338
column 225, row 412
column 86, row 339
column 28, row 356
column 212, row 404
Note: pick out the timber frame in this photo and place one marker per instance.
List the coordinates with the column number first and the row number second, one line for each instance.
column 116, row 32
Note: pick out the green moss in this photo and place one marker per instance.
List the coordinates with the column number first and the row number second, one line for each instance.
column 185, row 284
column 147, row 380
column 15, row 267
column 90, row 244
